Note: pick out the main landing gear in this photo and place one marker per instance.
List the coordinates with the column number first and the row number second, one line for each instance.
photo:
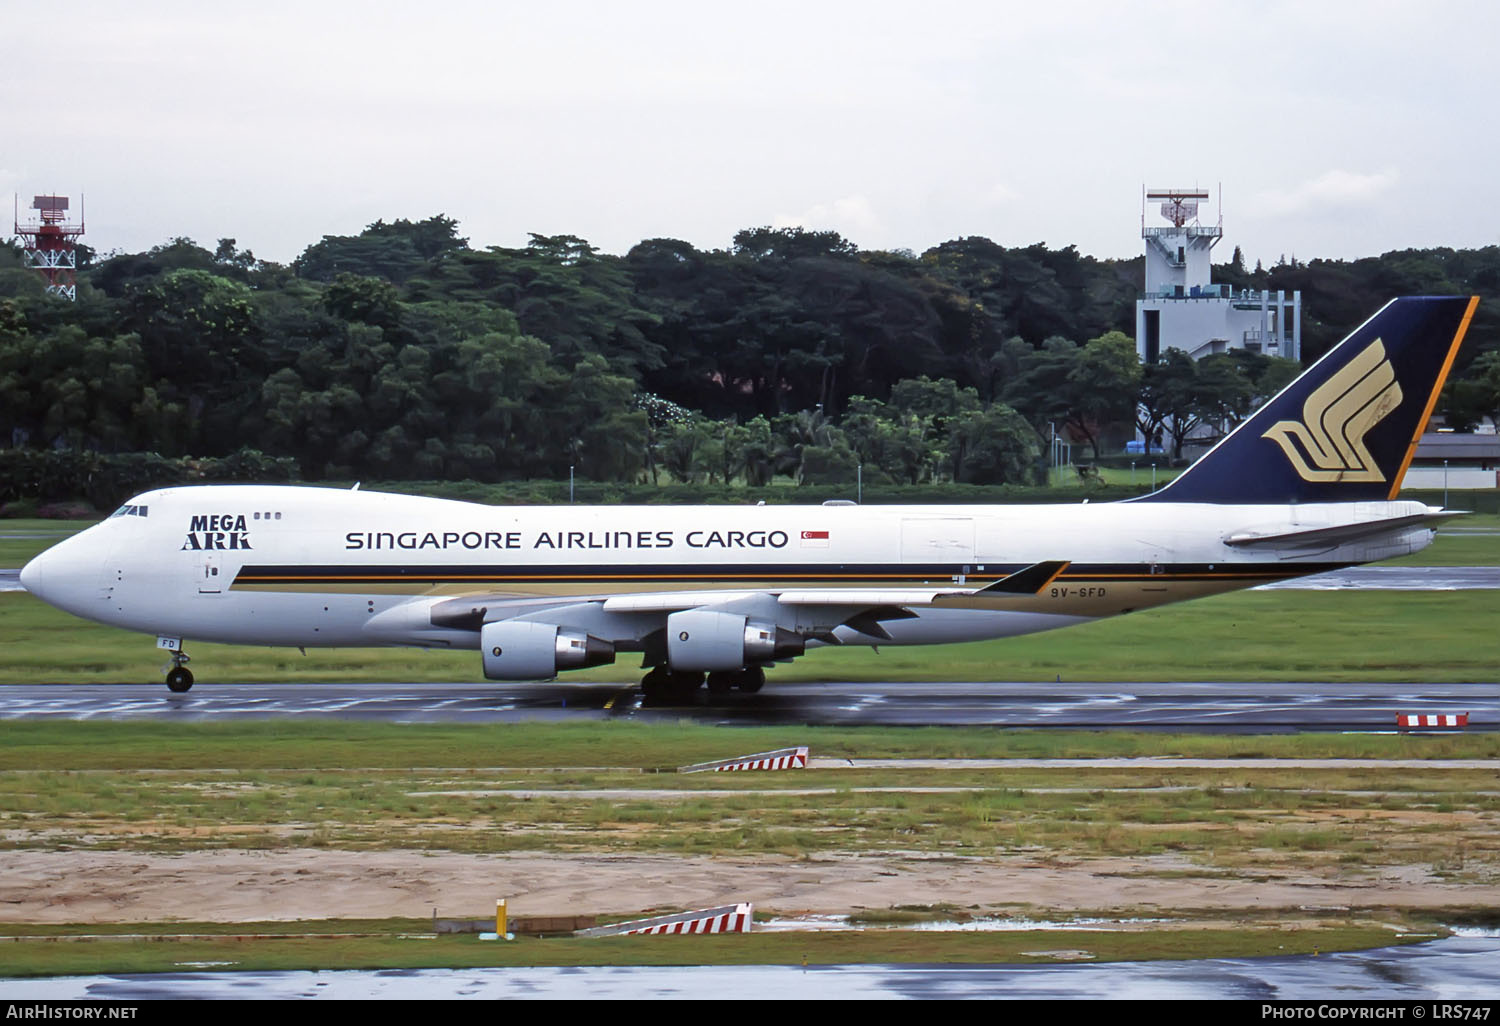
column 748, row 680
column 179, row 677
column 678, row 686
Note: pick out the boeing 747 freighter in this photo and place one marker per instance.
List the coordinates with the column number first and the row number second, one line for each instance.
column 717, row 594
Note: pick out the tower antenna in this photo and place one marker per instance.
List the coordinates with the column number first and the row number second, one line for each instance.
column 50, row 243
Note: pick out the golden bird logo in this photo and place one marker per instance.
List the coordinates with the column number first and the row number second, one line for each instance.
column 1329, row 442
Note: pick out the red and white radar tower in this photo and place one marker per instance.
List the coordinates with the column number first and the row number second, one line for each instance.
column 52, row 244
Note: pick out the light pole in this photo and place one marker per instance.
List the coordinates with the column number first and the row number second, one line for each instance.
column 1445, row 484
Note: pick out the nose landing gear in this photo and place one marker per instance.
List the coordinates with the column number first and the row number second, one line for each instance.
column 179, row 677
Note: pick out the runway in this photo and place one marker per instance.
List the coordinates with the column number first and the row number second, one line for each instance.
column 1206, row 706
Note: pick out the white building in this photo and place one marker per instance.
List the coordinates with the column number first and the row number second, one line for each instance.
column 1181, row 307
column 1449, row 460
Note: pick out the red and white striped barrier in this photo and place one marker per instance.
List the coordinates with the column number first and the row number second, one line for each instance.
column 725, row 919
column 782, row 758
column 1419, row 721
column 787, row 758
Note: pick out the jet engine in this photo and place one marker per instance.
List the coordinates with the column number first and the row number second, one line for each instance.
column 527, row 650
column 705, row 639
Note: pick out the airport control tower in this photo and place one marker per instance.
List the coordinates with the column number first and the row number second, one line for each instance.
column 51, row 244
column 1182, row 308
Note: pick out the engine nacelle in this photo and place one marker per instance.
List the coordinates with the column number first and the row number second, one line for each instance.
column 527, row 650
column 705, row 639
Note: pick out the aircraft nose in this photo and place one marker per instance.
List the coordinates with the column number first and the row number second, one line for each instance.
column 31, row 577
column 67, row 574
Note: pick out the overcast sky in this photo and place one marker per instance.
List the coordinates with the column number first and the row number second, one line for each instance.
column 1337, row 129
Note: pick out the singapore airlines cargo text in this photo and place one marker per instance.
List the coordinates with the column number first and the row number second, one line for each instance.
column 359, row 540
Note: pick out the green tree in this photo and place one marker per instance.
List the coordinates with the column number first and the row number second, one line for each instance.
column 396, row 251
column 995, row 445
column 768, row 243
column 604, row 434
column 201, row 342
column 809, row 432
column 1103, row 385
column 758, row 452
column 580, row 304
column 63, row 388
column 353, row 297
column 892, row 444
column 1170, row 400
column 684, row 448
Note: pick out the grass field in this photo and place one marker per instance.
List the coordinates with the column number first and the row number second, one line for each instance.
column 403, row 945
column 1249, row 636
column 172, row 788
column 165, row 789
column 22, row 539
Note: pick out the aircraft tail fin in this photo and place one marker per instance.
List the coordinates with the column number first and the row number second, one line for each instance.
column 1346, row 428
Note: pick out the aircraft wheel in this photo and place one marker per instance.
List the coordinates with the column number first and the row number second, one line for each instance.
column 683, row 686
column 654, row 684
column 179, row 679
column 752, row 680
column 721, row 683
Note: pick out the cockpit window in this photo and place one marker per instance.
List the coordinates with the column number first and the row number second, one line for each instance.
column 129, row 511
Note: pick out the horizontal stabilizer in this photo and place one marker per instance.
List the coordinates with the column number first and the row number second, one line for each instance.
column 1338, row 534
column 1028, row 581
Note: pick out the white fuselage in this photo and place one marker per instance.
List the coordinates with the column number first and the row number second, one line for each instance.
column 296, row 566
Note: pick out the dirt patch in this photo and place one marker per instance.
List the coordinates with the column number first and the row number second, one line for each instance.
column 242, row 886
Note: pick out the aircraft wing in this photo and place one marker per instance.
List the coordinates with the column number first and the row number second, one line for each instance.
column 472, row 611
column 811, row 614
column 533, row 637
column 814, row 612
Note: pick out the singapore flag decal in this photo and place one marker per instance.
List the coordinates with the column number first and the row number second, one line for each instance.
column 815, row 539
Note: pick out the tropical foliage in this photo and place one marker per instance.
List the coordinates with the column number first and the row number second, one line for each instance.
column 403, row 352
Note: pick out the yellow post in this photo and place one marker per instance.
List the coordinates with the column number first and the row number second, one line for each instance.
column 500, row 918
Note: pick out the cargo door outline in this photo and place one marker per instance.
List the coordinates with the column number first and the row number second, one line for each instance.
column 210, row 570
